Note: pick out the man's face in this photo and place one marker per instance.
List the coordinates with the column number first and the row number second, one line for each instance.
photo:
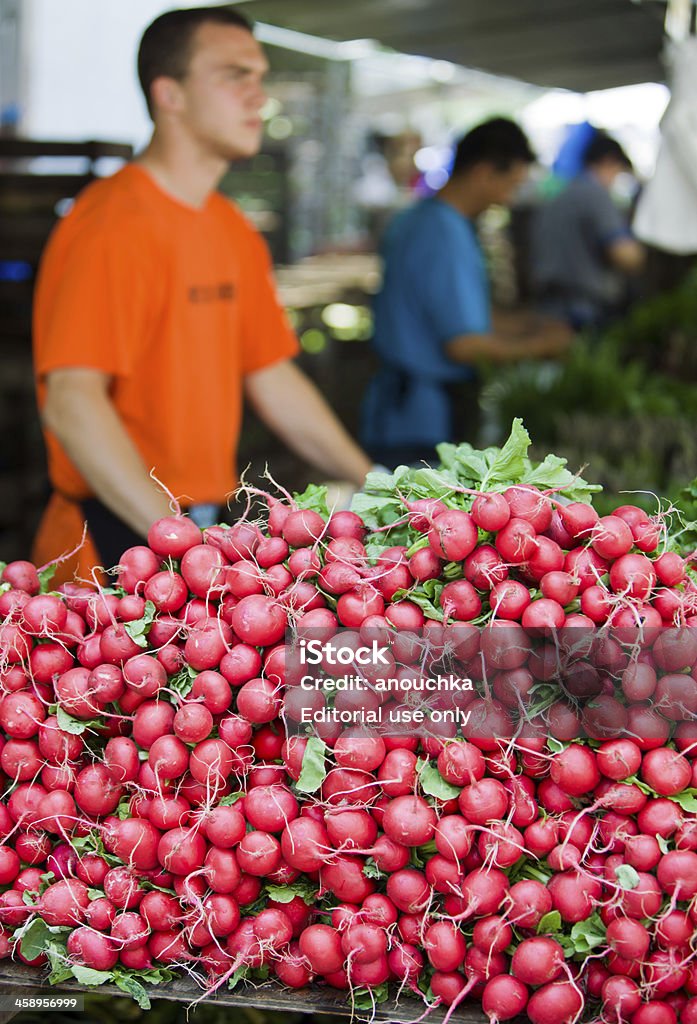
column 503, row 186
column 222, row 93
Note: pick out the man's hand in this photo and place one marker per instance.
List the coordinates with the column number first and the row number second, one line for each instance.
column 79, row 412
column 292, row 407
column 550, row 338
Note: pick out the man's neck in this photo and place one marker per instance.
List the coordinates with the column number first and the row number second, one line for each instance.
column 458, row 194
column 182, row 172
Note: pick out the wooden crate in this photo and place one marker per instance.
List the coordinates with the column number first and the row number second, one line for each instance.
column 18, row 979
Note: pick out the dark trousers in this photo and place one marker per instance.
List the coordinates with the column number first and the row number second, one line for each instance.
column 111, row 536
column 465, row 412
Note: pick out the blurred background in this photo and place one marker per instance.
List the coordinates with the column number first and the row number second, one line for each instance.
column 364, row 104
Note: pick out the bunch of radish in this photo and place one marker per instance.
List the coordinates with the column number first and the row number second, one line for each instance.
column 164, row 809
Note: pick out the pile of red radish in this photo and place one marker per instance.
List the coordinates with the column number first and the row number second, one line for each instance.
column 158, row 815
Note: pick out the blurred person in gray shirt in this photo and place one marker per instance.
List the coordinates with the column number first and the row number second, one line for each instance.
column 581, row 246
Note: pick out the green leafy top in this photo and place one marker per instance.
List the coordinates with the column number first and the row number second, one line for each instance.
column 381, row 503
column 433, row 783
column 138, row 629
column 314, row 497
column 314, row 768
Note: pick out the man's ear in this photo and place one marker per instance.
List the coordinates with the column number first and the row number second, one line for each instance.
column 166, row 94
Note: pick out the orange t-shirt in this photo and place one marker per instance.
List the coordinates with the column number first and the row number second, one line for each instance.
column 177, row 305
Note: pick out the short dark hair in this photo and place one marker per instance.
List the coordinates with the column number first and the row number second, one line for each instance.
column 165, row 47
column 604, row 147
column 500, row 142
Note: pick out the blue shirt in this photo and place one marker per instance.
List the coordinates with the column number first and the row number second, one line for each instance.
column 435, row 288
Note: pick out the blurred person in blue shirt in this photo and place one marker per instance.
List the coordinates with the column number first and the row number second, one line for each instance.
column 433, row 317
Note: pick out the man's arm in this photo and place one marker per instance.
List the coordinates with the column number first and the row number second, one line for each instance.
column 292, row 407
column 548, row 339
column 79, row 412
column 627, row 255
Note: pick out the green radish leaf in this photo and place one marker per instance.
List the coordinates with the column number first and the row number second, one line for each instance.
column 182, row 683
column 314, row 497
column 367, row 999
column 314, row 770
column 123, row 811
column 376, row 510
column 138, row 629
column 662, row 844
column 285, row 893
column 371, row 870
column 687, row 800
column 424, row 601
column 627, row 877
column 586, row 935
column 555, row 745
column 128, row 984
column 640, row 784
column 33, row 938
column 230, row 800
column 154, row 976
column 75, row 726
column 46, row 576
column 433, row 783
column 550, row 923
column 509, row 464
column 240, row 974
column 88, row 976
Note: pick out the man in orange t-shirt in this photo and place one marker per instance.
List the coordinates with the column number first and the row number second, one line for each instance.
column 156, row 312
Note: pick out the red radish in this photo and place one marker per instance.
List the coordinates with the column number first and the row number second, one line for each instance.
column 559, row 1002
column 543, row 614
column 410, row 821
column 303, row 527
column 666, row 771
column 445, row 946
column 88, row 947
column 529, row 504
column 321, row 946
column 359, row 603
column 517, row 541
column 136, row 565
column 504, row 997
column 509, row 599
column 259, row 620
column 453, row 535
column 172, row 536
column 537, row 960
column 677, row 874
column 460, row 601
column 202, row 568
column 633, row 575
column 346, row 524
column 22, row 575
column 43, row 615
column 408, row 890
column 64, row 903
column 425, row 565
column 490, row 511
column 484, row 568
column 670, row 569
column 575, row 770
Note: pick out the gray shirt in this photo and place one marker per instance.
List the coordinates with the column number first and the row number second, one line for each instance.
column 570, row 272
